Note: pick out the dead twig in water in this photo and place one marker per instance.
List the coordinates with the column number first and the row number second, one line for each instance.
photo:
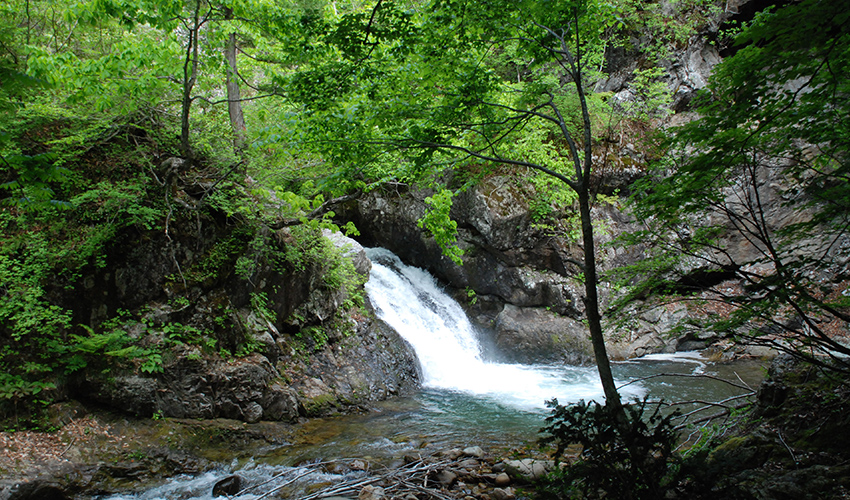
column 687, row 375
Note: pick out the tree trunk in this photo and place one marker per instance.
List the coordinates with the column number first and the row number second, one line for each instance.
column 190, row 76
column 591, row 304
column 234, row 103
column 591, row 280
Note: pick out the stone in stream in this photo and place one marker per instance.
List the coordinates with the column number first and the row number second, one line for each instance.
column 503, row 494
column 228, row 486
column 38, row 490
column 474, row 451
column 371, row 493
column 446, row 477
column 528, row 469
column 502, row 479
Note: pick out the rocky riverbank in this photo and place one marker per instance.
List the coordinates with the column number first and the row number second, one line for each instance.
column 96, row 453
column 792, row 442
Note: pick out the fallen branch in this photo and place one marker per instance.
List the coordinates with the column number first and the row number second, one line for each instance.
column 686, row 375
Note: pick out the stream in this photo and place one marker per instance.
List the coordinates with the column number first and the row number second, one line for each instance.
column 466, row 398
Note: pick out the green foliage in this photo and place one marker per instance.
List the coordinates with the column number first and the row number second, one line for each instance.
column 317, row 336
column 221, row 255
column 652, row 96
column 438, row 222
column 617, row 460
column 664, row 27
column 96, row 351
column 471, row 296
column 260, row 305
column 310, row 248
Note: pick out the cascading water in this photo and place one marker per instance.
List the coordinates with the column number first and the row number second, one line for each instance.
column 466, row 399
column 409, row 300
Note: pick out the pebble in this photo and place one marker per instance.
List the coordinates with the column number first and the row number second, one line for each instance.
column 503, row 494
column 446, row 477
column 371, row 493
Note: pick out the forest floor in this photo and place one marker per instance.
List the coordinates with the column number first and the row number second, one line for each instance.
column 28, row 451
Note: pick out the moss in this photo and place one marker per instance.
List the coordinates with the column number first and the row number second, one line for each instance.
column 318, row 405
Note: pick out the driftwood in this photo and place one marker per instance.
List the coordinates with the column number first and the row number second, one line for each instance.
column 693, row 417
column 415, row 478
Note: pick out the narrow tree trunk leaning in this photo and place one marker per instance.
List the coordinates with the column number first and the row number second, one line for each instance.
column 591, row 306
column 572, row 62
column 591, row 280
column 234, row 103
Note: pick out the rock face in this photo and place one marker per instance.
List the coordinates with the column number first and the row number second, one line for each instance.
column 371, row 365
column 523, row 285
column 281, row 340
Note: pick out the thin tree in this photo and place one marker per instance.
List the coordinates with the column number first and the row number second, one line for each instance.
column 431, row 93
column 566, row 52
column 234, row 100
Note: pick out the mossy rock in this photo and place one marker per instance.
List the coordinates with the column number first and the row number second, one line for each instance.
column 318, row 405
column 740, row 453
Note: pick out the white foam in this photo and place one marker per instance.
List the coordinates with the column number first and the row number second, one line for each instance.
column 412, row 302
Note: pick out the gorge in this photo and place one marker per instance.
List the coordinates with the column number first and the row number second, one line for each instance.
column 431, row 219
column 465, row 400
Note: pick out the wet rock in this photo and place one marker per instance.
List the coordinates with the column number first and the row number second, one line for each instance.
column 474, row 451
column 38, row 490
column 133, row 394
column 646, row 344
column 280, row 403
column 529, row 335
column 469, row 463
column 691, row 345
column 741, row 453
column 503, row 494
column 774, row 391
column 446, row 477
column 228, row 486
column 502, row 479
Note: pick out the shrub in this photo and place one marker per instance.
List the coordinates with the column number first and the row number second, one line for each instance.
column 623, row 460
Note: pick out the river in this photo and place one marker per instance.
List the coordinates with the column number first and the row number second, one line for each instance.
column 466, row 399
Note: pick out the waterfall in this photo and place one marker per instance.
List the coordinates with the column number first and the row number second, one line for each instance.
column 412, row 302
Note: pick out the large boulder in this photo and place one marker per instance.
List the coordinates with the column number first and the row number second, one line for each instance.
column 532, row 335
column 374, row 363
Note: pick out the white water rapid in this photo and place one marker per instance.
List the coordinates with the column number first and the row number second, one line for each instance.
column 410, row 300
column 466, row 399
